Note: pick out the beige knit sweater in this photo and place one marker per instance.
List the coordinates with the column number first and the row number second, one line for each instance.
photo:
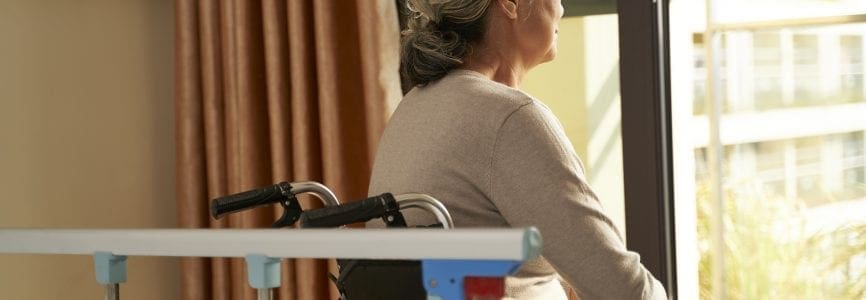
column 497, row 157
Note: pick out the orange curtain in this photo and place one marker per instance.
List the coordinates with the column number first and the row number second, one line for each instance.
column 269, row 91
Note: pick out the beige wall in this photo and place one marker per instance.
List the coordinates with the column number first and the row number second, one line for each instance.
column 86, row 136
column 582, row 89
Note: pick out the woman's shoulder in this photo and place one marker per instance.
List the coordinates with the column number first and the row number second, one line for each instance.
column 462, row 101
column 473, row 89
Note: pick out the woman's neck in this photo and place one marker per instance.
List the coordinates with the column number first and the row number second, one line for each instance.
column 500, row 66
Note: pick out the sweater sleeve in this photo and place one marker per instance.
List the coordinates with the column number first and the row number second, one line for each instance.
column 537, row 180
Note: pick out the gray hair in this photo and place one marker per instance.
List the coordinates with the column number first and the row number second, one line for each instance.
column 438, row 36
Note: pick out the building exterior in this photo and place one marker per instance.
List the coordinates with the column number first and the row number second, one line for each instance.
column 789, row 77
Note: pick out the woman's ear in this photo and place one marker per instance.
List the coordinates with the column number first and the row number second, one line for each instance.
column 508, row 7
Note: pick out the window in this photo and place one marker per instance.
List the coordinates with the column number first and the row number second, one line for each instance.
column 781, row 213
column 851, row 68
column 767, row 59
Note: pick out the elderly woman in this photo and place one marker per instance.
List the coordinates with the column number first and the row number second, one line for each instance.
column 497, row 157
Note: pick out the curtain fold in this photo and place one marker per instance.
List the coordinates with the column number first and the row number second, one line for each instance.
column 268, row 91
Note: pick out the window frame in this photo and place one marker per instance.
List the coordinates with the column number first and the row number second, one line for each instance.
column 646, row 136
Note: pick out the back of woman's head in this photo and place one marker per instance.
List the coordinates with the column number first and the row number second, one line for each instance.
column 438, row 36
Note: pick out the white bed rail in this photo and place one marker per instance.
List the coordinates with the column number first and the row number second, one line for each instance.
column 262, row 248
column 480, row 244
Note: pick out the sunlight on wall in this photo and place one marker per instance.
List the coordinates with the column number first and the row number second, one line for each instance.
column 582, row 88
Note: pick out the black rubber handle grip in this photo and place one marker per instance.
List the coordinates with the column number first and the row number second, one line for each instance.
column 353, row 212
column 249, row 199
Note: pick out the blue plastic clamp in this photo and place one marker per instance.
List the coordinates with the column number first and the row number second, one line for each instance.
column 110, row 268
column 263, row 272
column 443, row 279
